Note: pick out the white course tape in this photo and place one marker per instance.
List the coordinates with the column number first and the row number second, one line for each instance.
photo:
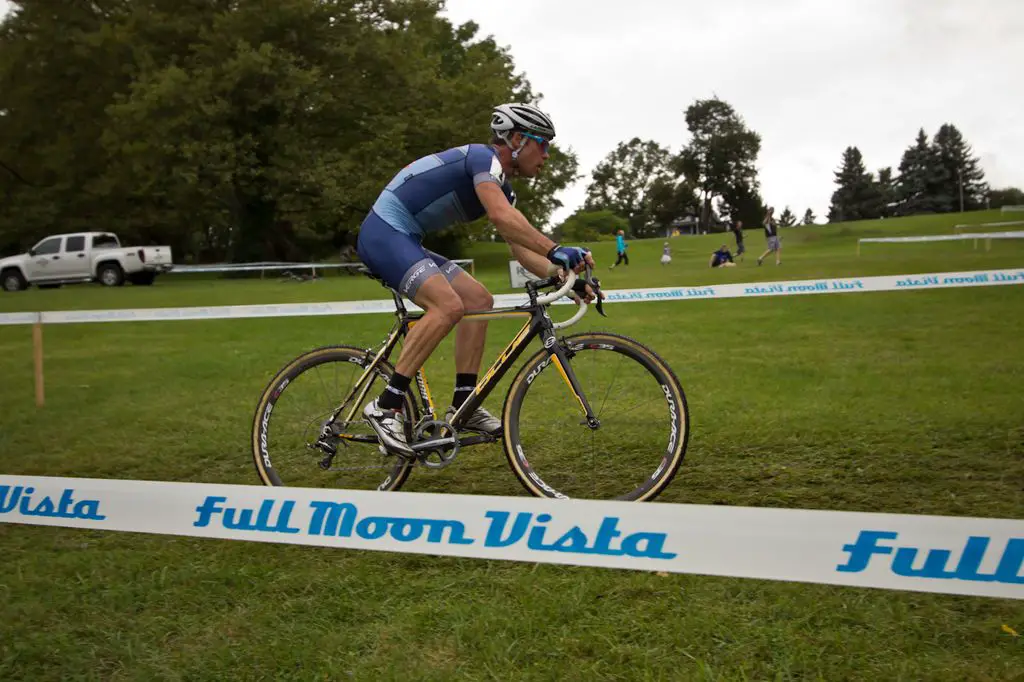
column 939, row 280
column 846, row 285
column 259, row 267
column 947, row 237
column 952, row 555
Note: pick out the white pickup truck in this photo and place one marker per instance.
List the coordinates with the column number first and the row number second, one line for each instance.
column 83, row 257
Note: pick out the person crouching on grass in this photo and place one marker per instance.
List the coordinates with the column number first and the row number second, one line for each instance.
column 722, row 258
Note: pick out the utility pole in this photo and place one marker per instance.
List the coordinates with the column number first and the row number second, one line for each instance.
column 960, row 179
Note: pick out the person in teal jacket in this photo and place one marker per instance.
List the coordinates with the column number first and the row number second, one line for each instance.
column 620, row 248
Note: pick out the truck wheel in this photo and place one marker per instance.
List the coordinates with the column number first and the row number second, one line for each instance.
column 110, row 275
column 142, row 278
column 13, row 281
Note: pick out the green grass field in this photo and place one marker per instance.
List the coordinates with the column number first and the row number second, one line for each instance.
column 908, row 402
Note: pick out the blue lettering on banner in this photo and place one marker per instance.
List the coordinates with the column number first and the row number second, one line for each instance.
column 339, row 519
column 234, row 518
column 20, row 498
column 575, row 540
column 917, row 282
column 770, row 289
column 936, row 561
column 672, row 294
column 809, row 286
column 971, row 279
column 1004, row 277
column 847, row 286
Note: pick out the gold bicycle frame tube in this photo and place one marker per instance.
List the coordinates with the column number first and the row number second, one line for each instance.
column 511, row 349
column 363, row 385
column 501, row 364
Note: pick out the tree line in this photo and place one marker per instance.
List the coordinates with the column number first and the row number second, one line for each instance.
column 645, row 189
column 238, row 130
column 937, row 176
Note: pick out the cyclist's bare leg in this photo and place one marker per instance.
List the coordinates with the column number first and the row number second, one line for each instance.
column 443, row 309
column 470, row 335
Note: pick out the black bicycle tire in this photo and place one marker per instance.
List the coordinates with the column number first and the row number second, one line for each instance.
column 265, row 469
column 674, row 456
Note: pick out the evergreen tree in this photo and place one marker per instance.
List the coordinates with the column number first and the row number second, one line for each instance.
column 787, row 219
column 920, row 176
column 960, row 171
column 857, row 196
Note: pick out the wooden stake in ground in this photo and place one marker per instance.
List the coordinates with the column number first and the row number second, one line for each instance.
column 37, row 353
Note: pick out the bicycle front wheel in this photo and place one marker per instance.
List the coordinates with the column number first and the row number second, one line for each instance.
column 644, row 424
column 299, row 401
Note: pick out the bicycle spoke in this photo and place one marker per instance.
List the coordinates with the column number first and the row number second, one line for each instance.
column 312, row 393
column 625, row 456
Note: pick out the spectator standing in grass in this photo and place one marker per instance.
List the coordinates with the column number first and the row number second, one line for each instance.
column 666, row 254
column 620, row 248
column 737, row 231
column 771, row 233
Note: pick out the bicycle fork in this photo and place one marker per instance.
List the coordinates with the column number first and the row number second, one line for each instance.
column 561, row 355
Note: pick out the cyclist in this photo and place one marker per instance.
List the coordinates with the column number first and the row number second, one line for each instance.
column 430, row 194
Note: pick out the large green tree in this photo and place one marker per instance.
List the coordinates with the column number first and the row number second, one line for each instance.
column 961, row 182
column 590, row 226
column 1007, row 196
column 667, row 202
column 857, row 195
column 721, row 155
column 920, row 179
column 743, row 202
column 887, row 195
column 787, row 219
column 235, row 130
column 622, row 181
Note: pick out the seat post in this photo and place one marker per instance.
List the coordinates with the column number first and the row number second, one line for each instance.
column 399, row 304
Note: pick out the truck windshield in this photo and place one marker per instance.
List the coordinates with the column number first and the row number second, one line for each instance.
column 104, row 241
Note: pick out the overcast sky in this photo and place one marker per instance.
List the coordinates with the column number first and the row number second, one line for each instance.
column 811, row 76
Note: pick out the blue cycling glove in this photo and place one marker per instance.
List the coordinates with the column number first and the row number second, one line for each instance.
column 567, row 257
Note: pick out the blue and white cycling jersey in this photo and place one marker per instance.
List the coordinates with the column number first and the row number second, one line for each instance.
column 428, row 195
column 438, row 191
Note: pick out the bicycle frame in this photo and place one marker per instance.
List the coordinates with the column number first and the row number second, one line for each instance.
column 538, row 324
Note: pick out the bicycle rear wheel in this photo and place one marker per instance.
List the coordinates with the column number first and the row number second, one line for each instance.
column 293, row 410
column 644, row 423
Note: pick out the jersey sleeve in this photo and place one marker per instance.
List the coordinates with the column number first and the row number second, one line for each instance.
column 483, row 166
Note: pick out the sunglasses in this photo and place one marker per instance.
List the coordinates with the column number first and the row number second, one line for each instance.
column 544, row 144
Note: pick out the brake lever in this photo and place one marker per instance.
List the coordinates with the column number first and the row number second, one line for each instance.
column 595, row 284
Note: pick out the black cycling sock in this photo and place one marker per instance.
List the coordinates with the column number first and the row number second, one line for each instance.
column 392, row 397
column 464, row 385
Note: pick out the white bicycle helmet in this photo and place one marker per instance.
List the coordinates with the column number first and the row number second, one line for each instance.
column 524, row 118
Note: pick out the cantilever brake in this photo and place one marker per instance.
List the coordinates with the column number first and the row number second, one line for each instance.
column 595, row 285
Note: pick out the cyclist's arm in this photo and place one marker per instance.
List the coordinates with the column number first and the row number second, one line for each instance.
column 511, row 224
column 541, row 266
column 538, row 265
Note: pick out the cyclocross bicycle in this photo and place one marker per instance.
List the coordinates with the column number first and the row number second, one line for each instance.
column 593, row 415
